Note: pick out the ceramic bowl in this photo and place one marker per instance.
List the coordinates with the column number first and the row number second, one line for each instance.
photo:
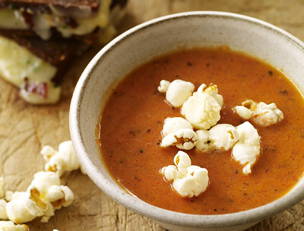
column 153, row 38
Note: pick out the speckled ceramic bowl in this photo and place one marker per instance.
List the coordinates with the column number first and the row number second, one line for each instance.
column 156, row 37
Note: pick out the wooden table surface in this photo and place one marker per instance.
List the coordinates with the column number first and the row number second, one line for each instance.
column 24, row 129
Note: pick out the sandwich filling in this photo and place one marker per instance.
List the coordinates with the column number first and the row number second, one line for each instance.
column 28, row 72
column 67, row 22
column 34, row 65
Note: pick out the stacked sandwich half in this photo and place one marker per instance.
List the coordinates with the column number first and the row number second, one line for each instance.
column 39, row 38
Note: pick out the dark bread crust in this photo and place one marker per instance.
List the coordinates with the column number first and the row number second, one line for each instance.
column 54, row 51
column 120, row 3
column 91, row 4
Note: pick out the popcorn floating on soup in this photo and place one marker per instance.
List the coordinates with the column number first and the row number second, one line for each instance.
column 203, row 143
column 178, row 132
column 219, row 137
column 202, row 109
column 188, row 180
column 163, row 86
column 183, row 139
column 212, row 90
column 261, row 113
column 177, row 92
column 267, row 114
column 247, row 149
column 10, row 226
column 223, row 136
column 172, row 124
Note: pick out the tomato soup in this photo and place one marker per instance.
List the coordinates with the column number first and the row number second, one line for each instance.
column 132, row 119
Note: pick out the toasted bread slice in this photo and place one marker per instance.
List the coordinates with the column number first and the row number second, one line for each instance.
column 37, row 66
column 43, row 4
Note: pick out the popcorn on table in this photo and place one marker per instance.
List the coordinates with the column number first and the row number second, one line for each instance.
column 3, row 214
column 22, row 208
column 2, row 193
column 187, row 180
column 202, row 109
column 260, row 113
column 41, row 199
column 10, row 226
column 61, row 161
column 247, row 149
column 45, row 194
column 177, row 92
column 47, row 191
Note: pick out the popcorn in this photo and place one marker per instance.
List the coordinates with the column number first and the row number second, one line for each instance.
column 267, row 114
column 163, row 86
column 194, row 183
column 173, row 124
column 3, row 214
column 182, row 161
column 170, row 172
column 2, row 194
column 9, row 195
column 47, row 185
column 188, row 180
column 203, row 143
column 212, row 90
column 244, row 112
column 182, row 139
column 261, row 113
column 10, row 226
column 22, row 208
column 42, row 181
column 202, row 109
column 45, row 194
column 60, row 196
column 42, row 198
column 177, row 92
column 223, row 136
column 60, row 161
column 247, row 149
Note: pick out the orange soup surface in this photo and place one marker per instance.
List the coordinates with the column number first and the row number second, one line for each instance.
column 131, row 122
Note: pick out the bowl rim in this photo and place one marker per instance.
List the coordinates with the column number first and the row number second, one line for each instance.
column 162, row 215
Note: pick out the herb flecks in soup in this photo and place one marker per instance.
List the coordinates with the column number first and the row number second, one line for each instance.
column 133, row 118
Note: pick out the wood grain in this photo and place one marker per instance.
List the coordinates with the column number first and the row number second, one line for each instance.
column 24, row 129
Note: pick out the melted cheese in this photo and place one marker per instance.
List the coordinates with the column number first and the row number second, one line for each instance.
column 17, row 63
column 11, row 19
column 87, row 25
